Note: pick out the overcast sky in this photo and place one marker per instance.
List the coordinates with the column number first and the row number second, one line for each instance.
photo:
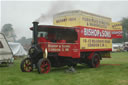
column 21, row 14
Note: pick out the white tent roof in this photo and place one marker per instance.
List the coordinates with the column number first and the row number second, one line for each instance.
column 17, row 49
column 117, row 44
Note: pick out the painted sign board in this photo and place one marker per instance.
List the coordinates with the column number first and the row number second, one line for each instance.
column 96, row 31
column 116, row 30
column 81, row 18
column 94, row 38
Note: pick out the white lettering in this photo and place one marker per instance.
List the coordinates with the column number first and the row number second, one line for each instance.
column 97, row 33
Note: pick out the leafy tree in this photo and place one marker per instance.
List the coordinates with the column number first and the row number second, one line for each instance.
column 125, row 29
column 8, row 31
column 23, row 40
column 26, row 42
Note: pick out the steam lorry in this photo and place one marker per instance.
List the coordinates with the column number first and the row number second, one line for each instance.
column 77, row 37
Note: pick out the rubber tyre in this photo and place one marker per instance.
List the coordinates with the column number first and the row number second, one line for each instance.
column 95, row 61
column 26, row 65
column 44, row 66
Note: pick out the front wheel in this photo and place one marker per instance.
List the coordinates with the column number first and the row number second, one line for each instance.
column 26, row 65
column 44, row 66
column 95, row 61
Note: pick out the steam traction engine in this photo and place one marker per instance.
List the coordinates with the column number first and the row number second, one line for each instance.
column 56, row 46
column 85, row 41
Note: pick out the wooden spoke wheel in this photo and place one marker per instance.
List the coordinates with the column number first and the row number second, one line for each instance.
column 26, row 65
column 44, row 66
column 95, row 61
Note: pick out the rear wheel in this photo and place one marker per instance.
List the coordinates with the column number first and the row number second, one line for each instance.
column 95, row 61
column 44, row 66
column 26, row 65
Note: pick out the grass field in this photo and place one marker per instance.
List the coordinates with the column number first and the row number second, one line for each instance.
column 112, row 71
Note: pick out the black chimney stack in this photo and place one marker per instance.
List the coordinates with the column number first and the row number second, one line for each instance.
column 35, row 27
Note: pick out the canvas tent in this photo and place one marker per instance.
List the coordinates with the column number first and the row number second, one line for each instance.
column 6, row 54
column 17, row 49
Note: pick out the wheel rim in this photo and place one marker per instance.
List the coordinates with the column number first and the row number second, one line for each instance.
column 45, row 66
column 96, row 61
column 27, row 65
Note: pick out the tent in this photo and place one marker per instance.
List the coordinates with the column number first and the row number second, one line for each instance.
column 17, row 49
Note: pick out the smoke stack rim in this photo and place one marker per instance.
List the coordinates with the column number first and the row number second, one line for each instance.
column 35, row 22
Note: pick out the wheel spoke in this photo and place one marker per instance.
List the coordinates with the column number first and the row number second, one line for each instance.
column 42, row 70
column 45, row 66
column 27, row 65
column 30, row 68
column 46, row 63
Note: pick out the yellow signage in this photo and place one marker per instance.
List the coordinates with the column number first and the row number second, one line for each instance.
column 80, row 18
column 94, row 43
column 116, row 26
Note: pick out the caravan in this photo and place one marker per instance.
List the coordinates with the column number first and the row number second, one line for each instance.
column 6, row 55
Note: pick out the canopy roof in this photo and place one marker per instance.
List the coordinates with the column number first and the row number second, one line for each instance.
column 48, row 27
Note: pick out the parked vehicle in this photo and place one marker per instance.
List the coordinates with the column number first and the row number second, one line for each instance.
column 117, row 47
column 126, row 46
column 6, row 55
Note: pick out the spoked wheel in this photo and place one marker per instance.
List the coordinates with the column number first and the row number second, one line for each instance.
column 95, row 61
column 44, row 66
column 26, row 65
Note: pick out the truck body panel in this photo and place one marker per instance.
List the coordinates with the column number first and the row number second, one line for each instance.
column 116, row 30
column 93, row 38
column 81, row 18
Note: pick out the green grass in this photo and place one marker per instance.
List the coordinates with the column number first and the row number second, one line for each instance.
column 104, row 75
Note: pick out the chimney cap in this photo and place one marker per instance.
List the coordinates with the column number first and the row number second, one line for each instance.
column 35, row 22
